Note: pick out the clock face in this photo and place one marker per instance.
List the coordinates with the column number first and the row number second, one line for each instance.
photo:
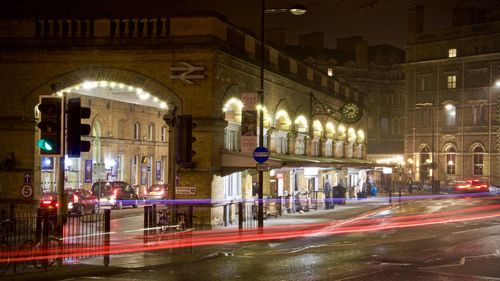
column 351, row 112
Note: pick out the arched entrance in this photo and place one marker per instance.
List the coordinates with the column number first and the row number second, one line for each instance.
column 123, row 137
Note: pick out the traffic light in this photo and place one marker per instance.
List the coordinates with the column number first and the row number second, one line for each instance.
column 75, row 128
column 51, row 125
column 185, row 140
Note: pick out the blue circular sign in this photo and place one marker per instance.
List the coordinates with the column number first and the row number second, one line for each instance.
column 261, row 154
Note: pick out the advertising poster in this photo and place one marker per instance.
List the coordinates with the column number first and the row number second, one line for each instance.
column 249, row 122
column 144, row 172
column 88, row 171
column 158, row 170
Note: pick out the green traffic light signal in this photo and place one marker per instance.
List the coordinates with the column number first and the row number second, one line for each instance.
column 51, row 125
column 46, row 145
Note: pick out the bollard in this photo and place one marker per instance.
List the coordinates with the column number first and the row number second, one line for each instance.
column 190, row 217
column 224, row 214
column 45, row 237
column 152, row 216
column 146, row 223
column 240, row 215
column 107, row 230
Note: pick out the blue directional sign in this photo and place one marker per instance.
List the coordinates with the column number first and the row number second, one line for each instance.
column 261, row 154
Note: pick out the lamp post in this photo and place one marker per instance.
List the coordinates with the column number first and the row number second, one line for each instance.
column 295, row 10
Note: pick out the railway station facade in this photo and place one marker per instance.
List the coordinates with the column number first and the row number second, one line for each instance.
column 135, row 73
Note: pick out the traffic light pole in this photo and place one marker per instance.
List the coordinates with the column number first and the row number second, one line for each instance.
column 61, row 210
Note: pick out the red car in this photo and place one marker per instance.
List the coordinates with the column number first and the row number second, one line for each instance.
column 471, row 185
column 80, row 201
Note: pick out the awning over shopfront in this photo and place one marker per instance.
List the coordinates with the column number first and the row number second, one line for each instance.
column 242, row 161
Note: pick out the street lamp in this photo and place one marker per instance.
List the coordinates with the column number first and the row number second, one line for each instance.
column 295, row 10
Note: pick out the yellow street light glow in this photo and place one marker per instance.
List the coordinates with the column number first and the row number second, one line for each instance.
column 163, row 105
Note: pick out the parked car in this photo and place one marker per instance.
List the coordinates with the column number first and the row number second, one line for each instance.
column 156, row 192
column 116, row 194
column 471, row 185
column 79, row 201
column 49, row 201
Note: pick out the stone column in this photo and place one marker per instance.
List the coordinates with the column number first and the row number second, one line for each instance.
column 338, row 149
column 291, row 143
column 271, row 142
column 308, row 145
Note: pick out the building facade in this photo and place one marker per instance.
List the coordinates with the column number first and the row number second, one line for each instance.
column 137, row 74
column 452, row 129
column 377, row 72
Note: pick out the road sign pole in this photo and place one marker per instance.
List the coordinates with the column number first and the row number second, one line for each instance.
column 261, row 154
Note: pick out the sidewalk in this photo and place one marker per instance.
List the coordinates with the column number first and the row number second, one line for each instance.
column 128, row 261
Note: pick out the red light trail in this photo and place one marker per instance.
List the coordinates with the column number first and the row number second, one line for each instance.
column 363, row 223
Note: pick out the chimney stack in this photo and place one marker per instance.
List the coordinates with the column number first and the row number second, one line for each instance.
column 415, row 20
column 276, row 37
column 312, row 41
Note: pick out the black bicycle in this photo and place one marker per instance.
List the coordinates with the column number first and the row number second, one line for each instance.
column 41, row 254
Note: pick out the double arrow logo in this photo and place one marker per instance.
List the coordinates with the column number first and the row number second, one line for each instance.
column 187, row 72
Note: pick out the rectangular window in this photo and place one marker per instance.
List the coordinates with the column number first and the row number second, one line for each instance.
column 478, row 164
column 329, row 149
column 164, row 134
column 452, row 53
column 370, row 123
column 316, row 149
column 232, row 186
column 452, row 82
column 478, row 114
column 299, row 147
column 281, row 145
column 231, row 140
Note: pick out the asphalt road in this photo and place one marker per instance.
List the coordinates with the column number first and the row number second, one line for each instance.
column 448, row 239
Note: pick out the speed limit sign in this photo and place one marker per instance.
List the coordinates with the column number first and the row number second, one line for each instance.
column 26, row 191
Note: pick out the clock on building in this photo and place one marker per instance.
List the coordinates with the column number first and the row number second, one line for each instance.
column 350, row 112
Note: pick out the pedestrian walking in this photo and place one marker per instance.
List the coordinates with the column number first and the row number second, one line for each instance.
column 327, row 189
column 339, row 192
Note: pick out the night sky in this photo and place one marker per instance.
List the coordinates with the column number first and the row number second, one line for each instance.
column 378, row 21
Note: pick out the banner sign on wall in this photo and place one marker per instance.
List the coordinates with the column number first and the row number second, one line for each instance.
column 88, row 171
column 144, row 172
column 158, row 170
column 249, row 122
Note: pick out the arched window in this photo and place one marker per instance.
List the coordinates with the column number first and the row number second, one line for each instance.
column 151, row 132
column 137, row 131
column 478, row 160
column 451, row 114
column 425, row 163
column 451, row 154
column 384, row 126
